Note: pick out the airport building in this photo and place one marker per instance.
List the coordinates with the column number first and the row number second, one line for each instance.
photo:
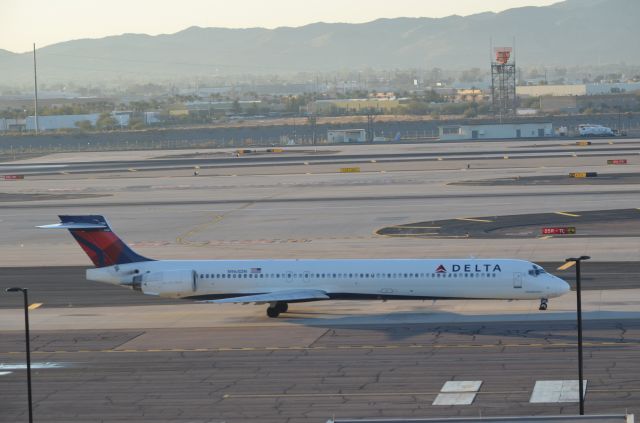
column 55, row 122
column 12, row 125
column 576, row 89
column 575, row 104
column 346, row 135
column 495, row 131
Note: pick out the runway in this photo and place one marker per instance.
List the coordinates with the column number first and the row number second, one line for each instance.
column 317, row 158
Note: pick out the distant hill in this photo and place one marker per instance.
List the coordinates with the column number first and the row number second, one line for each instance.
column 573, row 32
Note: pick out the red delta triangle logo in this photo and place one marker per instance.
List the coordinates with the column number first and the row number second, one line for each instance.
column 441, row 269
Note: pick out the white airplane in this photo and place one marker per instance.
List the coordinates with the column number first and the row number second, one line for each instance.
column 280, row 282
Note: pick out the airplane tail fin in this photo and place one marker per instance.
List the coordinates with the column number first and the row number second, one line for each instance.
column 94, row 235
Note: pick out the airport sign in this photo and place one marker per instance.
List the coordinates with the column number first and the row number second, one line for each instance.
column 570, row 230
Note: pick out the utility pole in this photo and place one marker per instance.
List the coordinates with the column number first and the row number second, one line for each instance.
column 371, row 116
column 35, row 86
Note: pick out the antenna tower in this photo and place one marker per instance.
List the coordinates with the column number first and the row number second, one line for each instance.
column 503, row 82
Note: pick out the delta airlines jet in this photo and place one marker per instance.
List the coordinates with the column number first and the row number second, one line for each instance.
column 280, row 282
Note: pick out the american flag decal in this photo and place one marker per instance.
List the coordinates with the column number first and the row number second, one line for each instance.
column 256, row 270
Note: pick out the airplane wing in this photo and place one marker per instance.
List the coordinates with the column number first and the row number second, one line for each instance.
column 288, row 296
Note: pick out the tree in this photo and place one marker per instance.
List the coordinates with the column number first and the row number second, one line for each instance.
column 136, row 123
column 84, row 125
column 235, row 107
column 472, row 75
column 106, row 121
column 470, row 112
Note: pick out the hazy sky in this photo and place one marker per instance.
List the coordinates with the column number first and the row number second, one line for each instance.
column 23, row 22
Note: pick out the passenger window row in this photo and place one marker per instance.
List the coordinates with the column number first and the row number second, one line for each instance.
column 342, row 275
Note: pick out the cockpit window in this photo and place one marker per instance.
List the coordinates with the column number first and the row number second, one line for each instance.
column 536, row 271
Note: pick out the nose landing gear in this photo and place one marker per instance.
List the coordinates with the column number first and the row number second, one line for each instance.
column 276, row 308
column 543, row 304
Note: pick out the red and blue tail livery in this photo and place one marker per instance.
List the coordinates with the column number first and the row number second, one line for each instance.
column 96, row 238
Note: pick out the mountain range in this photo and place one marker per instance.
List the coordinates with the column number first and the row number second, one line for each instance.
column 572, row 32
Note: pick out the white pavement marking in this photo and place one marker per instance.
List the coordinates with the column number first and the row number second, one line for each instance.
column 552, row 391
column 22, row 366
column 461, row 392
column 461, row 398
column 4, row 373
column 469, row 219
column 461, row 386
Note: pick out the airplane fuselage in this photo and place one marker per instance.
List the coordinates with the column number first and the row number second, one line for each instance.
column 340, row 279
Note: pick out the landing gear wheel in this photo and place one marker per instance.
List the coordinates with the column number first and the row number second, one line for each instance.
column 543, row 304
column 273, row 312
column 282, row 307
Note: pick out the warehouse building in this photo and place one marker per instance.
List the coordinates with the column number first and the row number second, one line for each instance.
column 55, row 122
column 576, row 89
column 495, row 131
column 346, row 135
column 575, row 104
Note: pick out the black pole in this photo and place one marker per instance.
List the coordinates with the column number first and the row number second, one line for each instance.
column 26, row 331
column 579, row 313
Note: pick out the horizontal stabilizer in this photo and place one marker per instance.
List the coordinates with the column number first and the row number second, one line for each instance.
column 288, row 296
column 72, row 225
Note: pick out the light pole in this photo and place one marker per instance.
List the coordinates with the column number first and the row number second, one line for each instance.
column 577, row 261
column 26, row 331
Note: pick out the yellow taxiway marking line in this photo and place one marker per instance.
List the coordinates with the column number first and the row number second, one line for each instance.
column 399, row 394
column 470, row 219
column 567, row 214
column 34, row 306
column 545, row 237
column 132, row 169
column 338, row 347
column 567, row 265
column 345, row 394
column 419, row 234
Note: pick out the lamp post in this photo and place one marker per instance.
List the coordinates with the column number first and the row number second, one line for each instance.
column 26, row 331
column 577, row 261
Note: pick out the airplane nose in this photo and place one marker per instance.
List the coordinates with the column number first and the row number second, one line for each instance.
column 560, row 287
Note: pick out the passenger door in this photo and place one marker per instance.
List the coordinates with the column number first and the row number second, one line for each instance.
column 518, row 279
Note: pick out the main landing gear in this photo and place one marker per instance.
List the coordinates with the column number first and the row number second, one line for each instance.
column 543, row 304
column 276, row 308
